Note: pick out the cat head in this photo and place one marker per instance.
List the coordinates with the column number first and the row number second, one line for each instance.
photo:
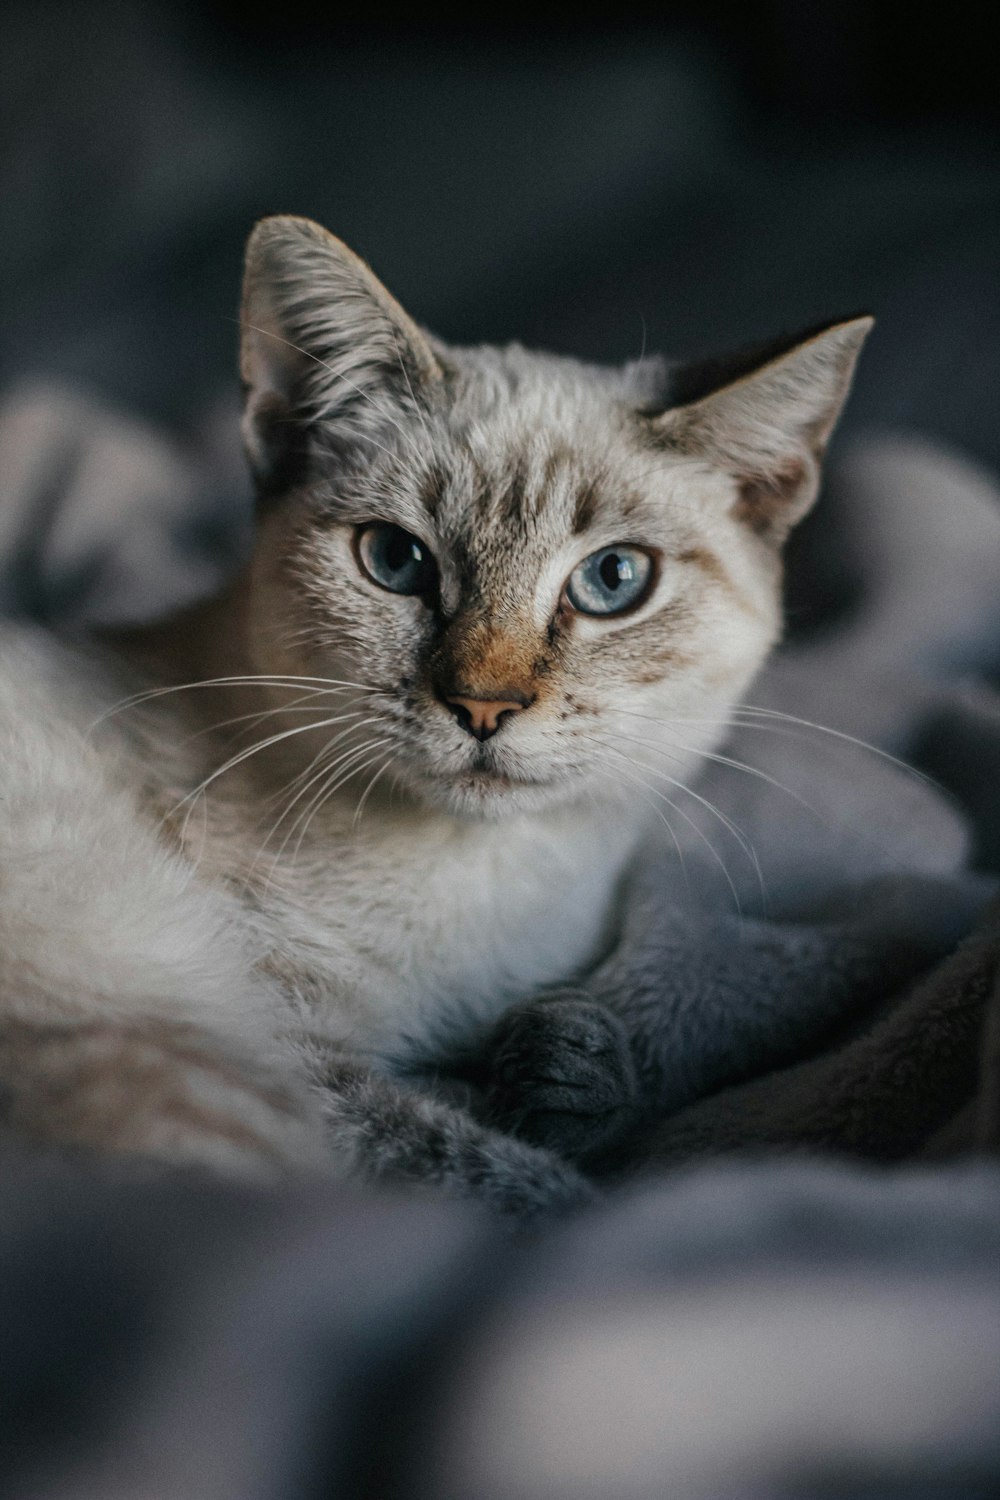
column 548, row 579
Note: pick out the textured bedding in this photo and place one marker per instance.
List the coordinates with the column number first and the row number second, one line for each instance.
column 792, row 1284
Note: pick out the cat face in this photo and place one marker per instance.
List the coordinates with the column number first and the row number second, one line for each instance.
column 549, row 580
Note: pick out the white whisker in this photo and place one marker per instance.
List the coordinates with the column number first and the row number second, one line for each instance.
column 610, row 770
column 328, row 684
column 779, row 727
column 746, row 716
column 324, row 750
column 350, row 764
column 690, row 821
column 244, row 755
column 387, row 762
column 307, row 780
column 741, row 838
column 262, row 713
column 710, row 807
column 326, row 775
column 838, row 734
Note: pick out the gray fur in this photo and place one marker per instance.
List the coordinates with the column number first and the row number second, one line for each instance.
column 688, row 1003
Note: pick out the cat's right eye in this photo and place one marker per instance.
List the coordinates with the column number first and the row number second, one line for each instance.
column 611, row 581
column 395, row 559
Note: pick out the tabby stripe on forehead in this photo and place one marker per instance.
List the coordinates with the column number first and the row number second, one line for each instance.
column 585, row 509
column 510, row 503
column 432, row 488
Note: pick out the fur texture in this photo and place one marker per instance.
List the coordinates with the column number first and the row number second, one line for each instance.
column 258, row 870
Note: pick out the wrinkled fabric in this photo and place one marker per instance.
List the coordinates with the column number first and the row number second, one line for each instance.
column 742, row 1331
column 710, row 1329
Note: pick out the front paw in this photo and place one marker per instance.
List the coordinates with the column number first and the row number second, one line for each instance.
column 562, row 1076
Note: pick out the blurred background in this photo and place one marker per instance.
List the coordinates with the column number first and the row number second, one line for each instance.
column 685, row 178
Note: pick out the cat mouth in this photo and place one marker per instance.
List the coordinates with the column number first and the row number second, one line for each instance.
column 489, row 776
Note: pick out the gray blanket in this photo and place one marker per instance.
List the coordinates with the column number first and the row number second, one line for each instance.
column 732, row 1330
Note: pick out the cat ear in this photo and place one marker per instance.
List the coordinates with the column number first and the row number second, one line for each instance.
column 767, row 419
column 322, row 341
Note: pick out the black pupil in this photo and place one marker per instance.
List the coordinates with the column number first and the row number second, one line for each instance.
column 400, row 550
column 613, row 571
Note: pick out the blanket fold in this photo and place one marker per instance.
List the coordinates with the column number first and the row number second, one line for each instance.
column 792, row 1327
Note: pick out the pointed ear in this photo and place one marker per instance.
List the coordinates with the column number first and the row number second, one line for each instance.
column 322, row 341
column 768, row 421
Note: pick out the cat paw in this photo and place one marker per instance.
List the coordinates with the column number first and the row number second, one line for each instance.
column 562, row 1076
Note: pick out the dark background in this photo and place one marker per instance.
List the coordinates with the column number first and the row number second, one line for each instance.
column 688, row 178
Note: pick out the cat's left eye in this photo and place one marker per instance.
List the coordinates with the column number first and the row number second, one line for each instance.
column 395, row 559
column 610, row 581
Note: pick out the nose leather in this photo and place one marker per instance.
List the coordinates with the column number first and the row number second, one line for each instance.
column 482, row 717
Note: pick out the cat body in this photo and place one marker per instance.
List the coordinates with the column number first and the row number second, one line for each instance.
column 396, row 940
column 265, row 860
column 402, row 935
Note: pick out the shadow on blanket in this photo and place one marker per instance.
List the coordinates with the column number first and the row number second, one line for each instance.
column 744, row 1330
column 920, row 1078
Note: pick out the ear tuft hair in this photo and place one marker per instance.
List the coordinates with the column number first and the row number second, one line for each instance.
column 322, row 342
column 768, row 422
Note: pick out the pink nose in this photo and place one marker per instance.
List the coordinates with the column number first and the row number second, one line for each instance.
column 482, row 717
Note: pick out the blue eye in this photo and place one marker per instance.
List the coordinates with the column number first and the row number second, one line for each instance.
column 395, row 559
column 610, row 581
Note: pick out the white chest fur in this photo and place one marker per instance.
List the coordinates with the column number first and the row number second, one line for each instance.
column 403, row 936
column 417, row 931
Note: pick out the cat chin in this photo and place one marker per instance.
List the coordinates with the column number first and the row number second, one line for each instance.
column 491, row 798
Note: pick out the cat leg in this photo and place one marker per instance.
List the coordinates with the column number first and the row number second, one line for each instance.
column 132, row 1018
column 688, row 1002
column 562, row 1074
column 155, row 1089
column 384, row 1130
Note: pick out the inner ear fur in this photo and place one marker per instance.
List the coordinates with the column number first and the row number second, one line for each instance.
column 767, row 420
column 322, row 341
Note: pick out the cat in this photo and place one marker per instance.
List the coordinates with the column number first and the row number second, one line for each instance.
column 273, row 866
